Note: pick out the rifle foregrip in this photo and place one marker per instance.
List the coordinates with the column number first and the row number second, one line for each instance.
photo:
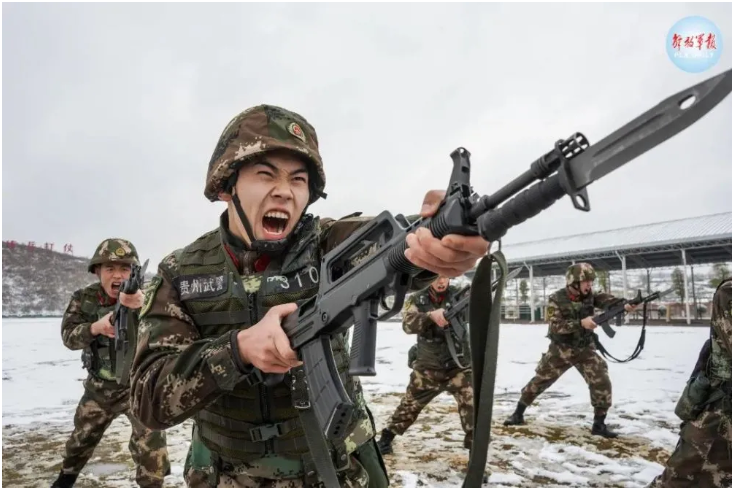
column 326, row 392
column 396, row 258
column 494, row 223
column 364, row 344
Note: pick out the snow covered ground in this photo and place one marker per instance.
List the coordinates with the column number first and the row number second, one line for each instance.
column 42, row 385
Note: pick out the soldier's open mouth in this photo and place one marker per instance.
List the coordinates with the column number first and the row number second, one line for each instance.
column 275, row 223
column 116, row 286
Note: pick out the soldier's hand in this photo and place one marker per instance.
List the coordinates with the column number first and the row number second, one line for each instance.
column 133, row 301
column 450, row 256
column 103, row 326
column 588, row 323
column 266, row 346
column 628, row 307
column 438, row 318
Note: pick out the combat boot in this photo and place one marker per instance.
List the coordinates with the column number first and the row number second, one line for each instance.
column 468, row 440
column 65, row 480
column 517, row 416
column 385, row 442
column 600, row 428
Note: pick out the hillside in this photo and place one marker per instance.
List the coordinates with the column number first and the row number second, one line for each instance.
column 40, row 282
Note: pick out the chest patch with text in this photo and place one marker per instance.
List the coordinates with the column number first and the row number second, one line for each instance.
column 195, row 286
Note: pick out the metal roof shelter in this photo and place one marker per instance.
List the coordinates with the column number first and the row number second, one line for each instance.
column 698, row 240
column 704, row 239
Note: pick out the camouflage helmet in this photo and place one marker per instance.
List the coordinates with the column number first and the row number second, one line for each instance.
column 580, row 272
column 114, row 250
column 259, row 130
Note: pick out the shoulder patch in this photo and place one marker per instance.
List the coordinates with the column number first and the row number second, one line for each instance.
column 551, row 310
column 150, row 291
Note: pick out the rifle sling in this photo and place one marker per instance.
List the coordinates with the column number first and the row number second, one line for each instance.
column 640, row 343
column 484, row 310
column 452, row 347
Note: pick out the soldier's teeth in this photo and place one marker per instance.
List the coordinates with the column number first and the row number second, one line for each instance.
column 277, row 214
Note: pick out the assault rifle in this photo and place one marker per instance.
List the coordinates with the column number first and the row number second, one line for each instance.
column 120, row 320
column 616, row 309
column 454, row 314
column 357, row 275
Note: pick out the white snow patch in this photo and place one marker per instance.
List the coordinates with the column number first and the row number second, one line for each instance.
column 509, row 478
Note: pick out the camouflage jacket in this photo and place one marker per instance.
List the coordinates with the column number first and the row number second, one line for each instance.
column 417, row 319
column 88, row 305
column 176, row 372
column 719, row 367
column 565, row 315
column 433, row 351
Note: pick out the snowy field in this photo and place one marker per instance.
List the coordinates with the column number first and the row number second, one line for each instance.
column 42, row 386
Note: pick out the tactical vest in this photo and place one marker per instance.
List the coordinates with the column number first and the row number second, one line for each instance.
column 573, row 311
column 719, row 366
column 433, row 351
column 256, row 425
column 96, row 358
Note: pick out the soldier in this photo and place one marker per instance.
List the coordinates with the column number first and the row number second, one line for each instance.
column 87, row 325
column 213, row 313
column 702, row 457
column 434, row 369
column 570, row 327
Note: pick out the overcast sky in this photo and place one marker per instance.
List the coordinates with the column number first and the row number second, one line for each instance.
column 111, row 111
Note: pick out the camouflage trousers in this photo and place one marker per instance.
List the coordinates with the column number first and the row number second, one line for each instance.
column 424, row 386
column 98, row 407
column 558, row 360
column 702, row 457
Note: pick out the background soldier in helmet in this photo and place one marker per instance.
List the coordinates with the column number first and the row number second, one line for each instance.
column 213, row 313
column 570, row 326
column 434, row 369
column 702, row 457
column 87, row 325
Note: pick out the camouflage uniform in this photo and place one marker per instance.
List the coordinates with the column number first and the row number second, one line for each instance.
column 702, row 457
column 572, row 346
column 104, row 399
column 187, row 362
column 434, row 369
